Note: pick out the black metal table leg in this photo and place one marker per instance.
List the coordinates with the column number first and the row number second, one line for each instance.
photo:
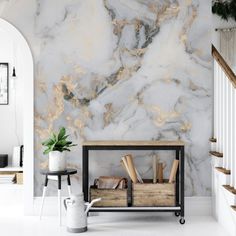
column 177, row 180
column 59, row 182
column 85, row 173
column 46, row 181
column 177, row 183
column 69, row 185
column 182, row 221
column 68, row 180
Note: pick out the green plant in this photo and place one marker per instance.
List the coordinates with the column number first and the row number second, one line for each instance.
column 224, row 9
column 58, row 142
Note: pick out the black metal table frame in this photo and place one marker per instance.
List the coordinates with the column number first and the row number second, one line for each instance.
column 179, row 183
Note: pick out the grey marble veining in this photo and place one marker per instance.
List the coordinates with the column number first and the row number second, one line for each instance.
column 121, row 69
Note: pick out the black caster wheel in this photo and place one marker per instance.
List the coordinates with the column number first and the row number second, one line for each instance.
column 182, row 221
column 177, row 214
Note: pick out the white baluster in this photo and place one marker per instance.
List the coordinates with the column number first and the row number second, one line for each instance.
column 234, row 136
column 224, row 120
column 227, row 123
column 215, row 102
column 231, row 126
column 222, row 116
column 220, row 106
column 219, row 110
column 217, row 81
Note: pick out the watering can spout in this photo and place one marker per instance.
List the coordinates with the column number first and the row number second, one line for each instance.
column 91, row 204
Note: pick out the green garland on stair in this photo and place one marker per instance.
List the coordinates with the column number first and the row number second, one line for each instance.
column 224, row 9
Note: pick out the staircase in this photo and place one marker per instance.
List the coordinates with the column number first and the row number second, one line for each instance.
column 223, row 144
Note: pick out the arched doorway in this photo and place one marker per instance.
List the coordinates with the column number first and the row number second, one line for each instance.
column 28, row 112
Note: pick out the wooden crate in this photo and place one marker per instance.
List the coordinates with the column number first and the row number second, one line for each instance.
column 151, row 195
column 110, row 197
column 19, row 178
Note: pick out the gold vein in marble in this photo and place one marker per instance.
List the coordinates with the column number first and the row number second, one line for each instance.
column 41, row 86
column 78, row 123
column 160, row 117
column 187, row 25
column 108, row 115
column 69, row 82
column 167, row 12
column 79, row 70
column 118, row 26
column 54, row 111
column 185, row 127
column 193, row 86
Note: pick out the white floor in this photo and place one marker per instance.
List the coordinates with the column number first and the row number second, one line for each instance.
column 109, row 224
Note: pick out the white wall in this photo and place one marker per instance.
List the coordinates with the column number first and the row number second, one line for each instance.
column 217, row 22
column 11, row 115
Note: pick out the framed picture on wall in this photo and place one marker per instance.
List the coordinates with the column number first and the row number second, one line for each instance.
column 4, row 84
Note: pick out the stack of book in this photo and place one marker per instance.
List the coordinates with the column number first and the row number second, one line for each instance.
column 7, row 178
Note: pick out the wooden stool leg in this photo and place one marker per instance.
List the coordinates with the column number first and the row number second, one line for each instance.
column 59, row 199
column 69, row 185
column 43, row 197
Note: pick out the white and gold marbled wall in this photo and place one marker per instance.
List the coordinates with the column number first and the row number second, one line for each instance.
column 121, row 69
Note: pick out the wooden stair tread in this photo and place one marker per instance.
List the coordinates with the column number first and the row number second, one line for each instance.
column 223, row 170
column 233, row 207
column 217, row 154
column 212, row 140
column 230, row 189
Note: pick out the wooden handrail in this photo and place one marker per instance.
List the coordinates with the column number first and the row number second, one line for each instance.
column 224, row 65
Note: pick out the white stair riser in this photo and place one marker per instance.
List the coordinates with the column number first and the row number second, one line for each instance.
column 229, row 197
column 223, row 179
column 213, row 146
column 216, row 161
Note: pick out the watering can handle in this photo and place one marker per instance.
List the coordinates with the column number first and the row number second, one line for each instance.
column 65, row 205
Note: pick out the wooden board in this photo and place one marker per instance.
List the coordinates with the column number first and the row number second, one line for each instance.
column 19, row 178
column 150, row 195
column 216, row 154
column 230, row 189
column 213, row 140
column 233, row 207
column 110, row 197
column 223, row 170
column 132, row 143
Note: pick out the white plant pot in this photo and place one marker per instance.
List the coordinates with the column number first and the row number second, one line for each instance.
column 57, row 161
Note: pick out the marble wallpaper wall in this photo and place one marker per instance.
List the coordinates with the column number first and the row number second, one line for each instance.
column 121, row 69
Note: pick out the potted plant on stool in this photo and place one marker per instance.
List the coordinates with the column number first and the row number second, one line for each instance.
column 56, row 145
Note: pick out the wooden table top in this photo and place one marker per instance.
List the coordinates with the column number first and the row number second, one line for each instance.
column 132, row 143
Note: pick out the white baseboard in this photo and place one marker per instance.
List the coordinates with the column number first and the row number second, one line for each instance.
column 198, row 206
column 194, row 206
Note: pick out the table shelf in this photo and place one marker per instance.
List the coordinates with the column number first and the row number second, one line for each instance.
column 177, row 146
column 135, row 209
column 11, row 169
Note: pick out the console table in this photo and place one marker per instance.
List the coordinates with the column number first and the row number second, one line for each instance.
column 177, row 146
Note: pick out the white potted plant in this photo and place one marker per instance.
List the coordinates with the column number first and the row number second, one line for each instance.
column 57, row 145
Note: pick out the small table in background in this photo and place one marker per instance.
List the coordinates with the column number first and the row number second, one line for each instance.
column 58, row 174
